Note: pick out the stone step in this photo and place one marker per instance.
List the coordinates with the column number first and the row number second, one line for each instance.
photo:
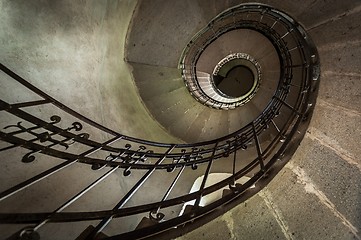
column 217, row 125
column 87, row 231
column 153, row 81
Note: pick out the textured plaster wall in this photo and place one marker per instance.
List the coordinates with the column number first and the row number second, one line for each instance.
column 74, row 51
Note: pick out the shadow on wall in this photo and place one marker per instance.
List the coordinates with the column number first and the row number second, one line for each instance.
column 40, row 17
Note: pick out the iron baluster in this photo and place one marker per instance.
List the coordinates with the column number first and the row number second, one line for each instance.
column 288, row 106
column 30, row 104
column 258, row 147
column 274, row 24
column 227, row 148
column 30, row 230
column 211, row 27
column 264, row 123
column 275, row 125
column 21, row 186
column 54, row 119
column 110, row 158
column 233, row 184
column 204, row 180
column 141, row 158
column 127, row 196
column 292, row 49
column 176, row 160
column 194, row 156
column 45, row 136
column 29, row 157
column 288, row 32
column 155, row 215
column 262, row 13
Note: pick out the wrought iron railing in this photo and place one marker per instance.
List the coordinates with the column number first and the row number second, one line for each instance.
column 285, row 34
column 47, row 129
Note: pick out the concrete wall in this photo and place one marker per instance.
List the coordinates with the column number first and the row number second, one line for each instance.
column 74, row 51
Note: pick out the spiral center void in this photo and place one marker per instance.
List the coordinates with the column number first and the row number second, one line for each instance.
column 237, row 76
column 237, row 51
column 238, row 81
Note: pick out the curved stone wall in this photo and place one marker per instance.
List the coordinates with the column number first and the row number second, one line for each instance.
column 74, row 52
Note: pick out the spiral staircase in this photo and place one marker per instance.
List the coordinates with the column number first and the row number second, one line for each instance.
column 114, row 122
